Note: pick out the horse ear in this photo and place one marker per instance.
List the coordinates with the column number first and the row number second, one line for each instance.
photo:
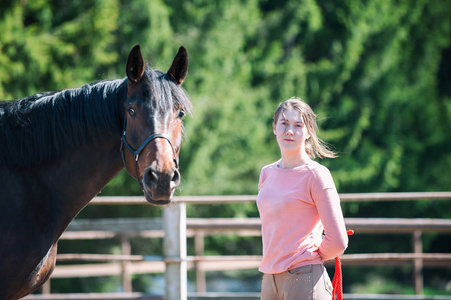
column 179, row 67
column 135, row 64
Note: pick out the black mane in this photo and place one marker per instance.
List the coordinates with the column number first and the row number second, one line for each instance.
column 40, row 127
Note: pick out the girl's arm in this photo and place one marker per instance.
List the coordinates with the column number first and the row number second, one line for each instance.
column 327, row 203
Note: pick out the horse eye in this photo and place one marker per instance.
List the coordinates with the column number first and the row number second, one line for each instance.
column 181, row 114
column 131, row 112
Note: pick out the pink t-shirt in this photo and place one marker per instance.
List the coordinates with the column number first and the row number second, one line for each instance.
column 295, row 206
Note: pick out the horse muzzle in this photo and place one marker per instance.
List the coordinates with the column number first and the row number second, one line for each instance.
column 159, row 186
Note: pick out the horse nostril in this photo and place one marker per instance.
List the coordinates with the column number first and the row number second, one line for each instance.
column 154, row 179
column 175, row 179
column 151, row 176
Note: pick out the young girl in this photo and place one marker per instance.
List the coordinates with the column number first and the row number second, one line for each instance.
column 297, row 201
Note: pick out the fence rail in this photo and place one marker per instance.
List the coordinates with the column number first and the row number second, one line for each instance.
column 344, row 197
column 175, row 262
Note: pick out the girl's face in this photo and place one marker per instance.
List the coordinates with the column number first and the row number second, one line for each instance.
column 290, row 131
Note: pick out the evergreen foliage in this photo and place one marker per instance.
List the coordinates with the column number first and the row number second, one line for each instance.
column 377, row 73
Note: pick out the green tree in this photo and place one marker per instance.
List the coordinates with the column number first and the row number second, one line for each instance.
column 227, row 126
column 370, row 71
column 42, row 50
column 377, row 73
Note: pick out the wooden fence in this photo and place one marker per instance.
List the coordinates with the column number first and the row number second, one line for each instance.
column 174, row 228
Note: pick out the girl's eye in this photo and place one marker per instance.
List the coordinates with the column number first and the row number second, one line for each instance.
column 131, row 112
column 181, row 114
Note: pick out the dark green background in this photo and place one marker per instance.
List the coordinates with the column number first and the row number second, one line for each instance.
column 377, row 73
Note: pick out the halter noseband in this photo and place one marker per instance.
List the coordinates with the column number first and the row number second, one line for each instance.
column 136, row 153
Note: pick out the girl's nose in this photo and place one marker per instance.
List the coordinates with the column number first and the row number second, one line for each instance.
column 289, row 131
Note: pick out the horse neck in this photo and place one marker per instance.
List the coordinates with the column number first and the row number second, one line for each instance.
column 81, row 172
column 42, row 127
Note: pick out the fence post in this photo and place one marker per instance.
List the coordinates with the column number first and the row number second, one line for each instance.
column 418, row 262
column 201, row 282
column 125, row 265
column 174, row 248
column 46, row 288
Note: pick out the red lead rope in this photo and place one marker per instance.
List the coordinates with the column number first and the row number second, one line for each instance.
column 337, row 282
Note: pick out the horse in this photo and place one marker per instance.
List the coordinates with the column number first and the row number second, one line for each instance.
column 58, row 150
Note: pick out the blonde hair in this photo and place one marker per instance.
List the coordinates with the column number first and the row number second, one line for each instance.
column 314, row 146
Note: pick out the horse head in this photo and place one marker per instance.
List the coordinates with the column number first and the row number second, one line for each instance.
column 153, row 127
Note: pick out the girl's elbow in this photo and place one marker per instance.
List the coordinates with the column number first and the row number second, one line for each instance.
column 343, row 244
column 340, row 247
column 336, row 248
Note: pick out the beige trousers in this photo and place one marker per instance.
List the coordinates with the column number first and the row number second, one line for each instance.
column 304, row 283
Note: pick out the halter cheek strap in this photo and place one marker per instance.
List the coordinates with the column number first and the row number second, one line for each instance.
column 137, row 152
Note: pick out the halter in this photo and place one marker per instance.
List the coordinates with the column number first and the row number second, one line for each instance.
column 136, row 153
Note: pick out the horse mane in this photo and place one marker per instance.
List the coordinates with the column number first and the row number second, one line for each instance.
column 40, row 127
